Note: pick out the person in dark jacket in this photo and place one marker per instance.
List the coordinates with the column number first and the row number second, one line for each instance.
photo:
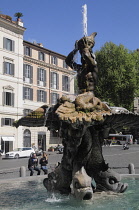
column 33, row 164
column 44, row 162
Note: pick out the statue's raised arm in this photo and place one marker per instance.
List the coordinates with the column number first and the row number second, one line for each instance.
column 87, row 70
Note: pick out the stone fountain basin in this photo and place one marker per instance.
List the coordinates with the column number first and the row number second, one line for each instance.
column 29, row 193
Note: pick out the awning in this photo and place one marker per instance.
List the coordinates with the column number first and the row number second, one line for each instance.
column 8, row 138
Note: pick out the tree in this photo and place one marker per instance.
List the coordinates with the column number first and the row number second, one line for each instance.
column 18, row 15
column 118, row 75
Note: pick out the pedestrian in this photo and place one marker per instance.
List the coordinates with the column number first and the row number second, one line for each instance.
column 125, row 146
column 33, row 164
column 43, row 162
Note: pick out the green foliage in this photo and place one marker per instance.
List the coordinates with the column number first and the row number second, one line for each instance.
column 118, row 75
column 18, row 15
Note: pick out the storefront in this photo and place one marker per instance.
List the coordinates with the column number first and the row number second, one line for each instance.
column 6, row 143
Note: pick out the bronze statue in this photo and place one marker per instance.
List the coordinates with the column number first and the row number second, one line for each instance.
column 87, row 70
column 83, row 125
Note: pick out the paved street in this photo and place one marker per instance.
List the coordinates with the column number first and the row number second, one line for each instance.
column 114, row 155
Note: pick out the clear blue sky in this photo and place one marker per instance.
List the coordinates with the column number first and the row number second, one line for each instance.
column 57, row 24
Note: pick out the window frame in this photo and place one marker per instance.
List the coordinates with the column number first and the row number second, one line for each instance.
column 41, row 56
column 8, row 44
column 65, row 83
column 8, row 68
column 54, row 98
column 54, row 60
column 41, row 77
column 10, row 120
column 54, row 80
column 27, row 93
column 41, row 96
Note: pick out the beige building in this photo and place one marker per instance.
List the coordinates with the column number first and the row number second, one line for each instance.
column 46, row 77
column 30, row 76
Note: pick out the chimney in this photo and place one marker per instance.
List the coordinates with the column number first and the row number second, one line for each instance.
column 19, row 22
column 40, row 44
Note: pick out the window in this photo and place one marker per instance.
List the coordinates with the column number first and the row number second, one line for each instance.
column 41, row 77
column 54, row 60
column 54, row 133
column 65, row 66
column 8, row 68
column 65, row 83
column 28, row 73
column 27, row 51
column 7, row 121
column 41, row 96
column 27, row 138
column 8, row 44
column 41, row 56
column 27, row 93
column 26, row 112
column 54, row 97
column 54, row 80
column 8, row 98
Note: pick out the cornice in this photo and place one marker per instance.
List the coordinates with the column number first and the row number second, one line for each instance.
column 11, row 26
column 42, row 49
column 47, row 65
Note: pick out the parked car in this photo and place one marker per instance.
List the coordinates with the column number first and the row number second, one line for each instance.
column 38, row 152
column 20, row 152
column 118, row 110
column 1, row 152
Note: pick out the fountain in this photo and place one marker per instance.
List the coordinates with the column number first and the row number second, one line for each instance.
column 83, row 125
column 29, row 193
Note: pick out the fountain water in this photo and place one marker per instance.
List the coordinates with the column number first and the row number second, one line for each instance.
column 30, row 194
column 84, row 12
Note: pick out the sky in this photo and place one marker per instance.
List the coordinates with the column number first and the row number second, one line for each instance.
column 57, row 24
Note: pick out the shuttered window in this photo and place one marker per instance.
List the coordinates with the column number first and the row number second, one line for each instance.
column 41, row 96
column 54, row 80
column 7, row 121
column 8, row 44
column 65, row 66
column 27, row 51
column 41, row 77
column 8, row 98
column 54, row 60
column 65, row 83
column 8, row 68
column 28, row 73
column 27, row 93
column 54, row 98
column 41, row 56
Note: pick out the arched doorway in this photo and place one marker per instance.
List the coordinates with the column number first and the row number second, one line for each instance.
column 27, row 138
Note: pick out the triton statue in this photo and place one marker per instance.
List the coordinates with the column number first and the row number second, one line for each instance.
column 87, row 71
column 80, row 124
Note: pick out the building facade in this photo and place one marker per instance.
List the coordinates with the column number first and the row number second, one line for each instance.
column 46, row 77
column 11, row 80
column 30, row 76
